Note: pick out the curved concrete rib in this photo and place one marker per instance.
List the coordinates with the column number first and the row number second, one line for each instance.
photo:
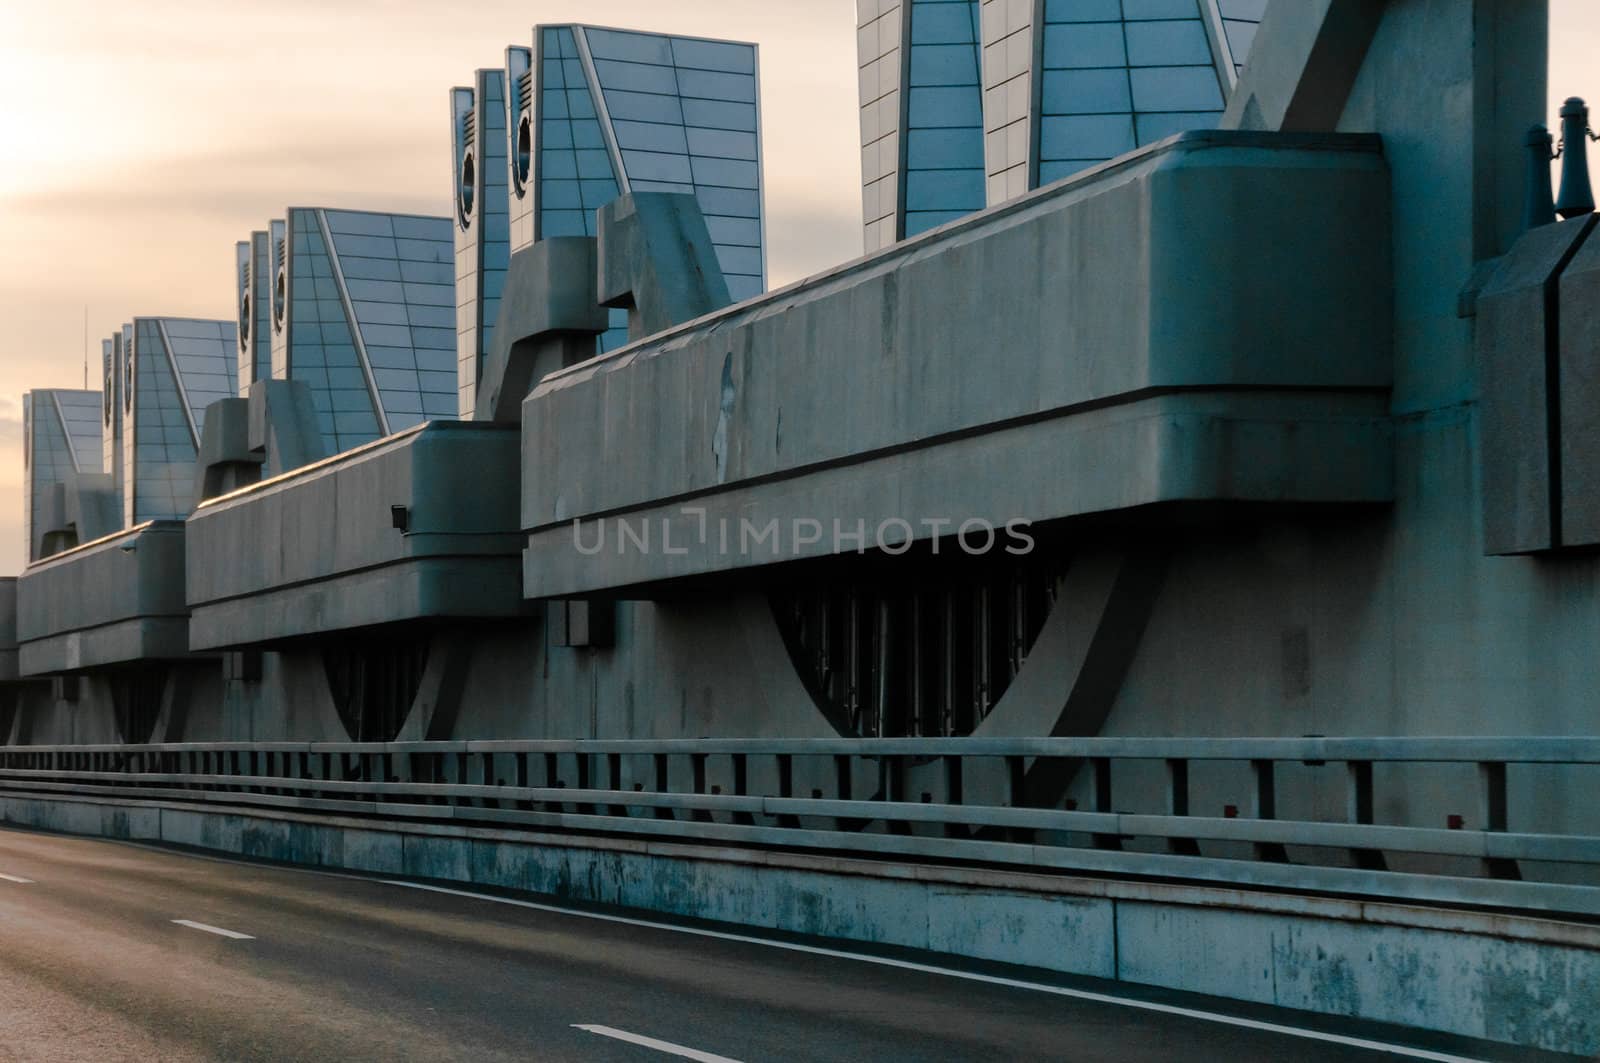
column 1085, row 648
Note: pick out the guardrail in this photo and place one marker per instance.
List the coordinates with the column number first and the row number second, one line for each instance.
column 1306, row 818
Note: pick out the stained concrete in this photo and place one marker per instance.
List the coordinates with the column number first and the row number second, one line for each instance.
column 1519, row 982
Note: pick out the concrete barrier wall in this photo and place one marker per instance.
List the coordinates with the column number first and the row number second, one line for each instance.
column 1504, row 978
column 113, row 601
column 421, row 525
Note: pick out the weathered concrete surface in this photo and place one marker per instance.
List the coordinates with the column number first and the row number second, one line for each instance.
column 113, row 601
column 318, row 550
column 226, row 462
column 1074, row 318
column 283, row 426
column 1499, row 977
column 655, row 259
column 1303, row 62
column 1578, row 371
column 1518, row 331
column 549, row 317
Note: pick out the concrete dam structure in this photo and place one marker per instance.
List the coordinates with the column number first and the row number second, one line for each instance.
column 1168, row 556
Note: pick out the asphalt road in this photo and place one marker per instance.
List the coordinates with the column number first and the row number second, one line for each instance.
column 96, row 965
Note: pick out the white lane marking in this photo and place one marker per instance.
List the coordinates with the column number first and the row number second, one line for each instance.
column 217, row 930
column 970, row 976
column 18, row 881
column 650, row 1042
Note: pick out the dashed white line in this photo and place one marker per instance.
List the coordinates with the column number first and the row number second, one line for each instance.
column 18, row 881
column 650, row 1042
column 970, row 976
column 217, row 930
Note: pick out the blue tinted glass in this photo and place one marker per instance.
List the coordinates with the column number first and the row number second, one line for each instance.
column 1116, row 76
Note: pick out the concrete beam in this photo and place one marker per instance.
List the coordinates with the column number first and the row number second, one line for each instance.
column 1518, row 336
column 549, row 318
column 657, row 261
column 283, row 426
column 1303, row 64
column 226, row 462
column 115, row 601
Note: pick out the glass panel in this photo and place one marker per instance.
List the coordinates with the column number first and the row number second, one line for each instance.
column 1119, row 74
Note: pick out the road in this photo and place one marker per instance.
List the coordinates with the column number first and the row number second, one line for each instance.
column 114, row 951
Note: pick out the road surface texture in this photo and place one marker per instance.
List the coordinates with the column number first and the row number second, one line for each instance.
column 114, row 951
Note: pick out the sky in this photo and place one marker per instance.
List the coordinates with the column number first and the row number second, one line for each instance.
column 139, row 142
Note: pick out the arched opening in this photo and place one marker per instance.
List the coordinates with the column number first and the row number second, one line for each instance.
column 137, row 693
column 908, row 647
column 374, row 680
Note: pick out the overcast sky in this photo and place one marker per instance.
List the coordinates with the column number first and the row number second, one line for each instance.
column 142, row 140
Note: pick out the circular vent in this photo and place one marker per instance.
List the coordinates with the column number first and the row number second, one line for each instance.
column 127, row 374
column 524, row 155
column 280, row 294
column 466, row 194
column 244, row 319
column 915, row 647
column 108, row 400
column 374, row 680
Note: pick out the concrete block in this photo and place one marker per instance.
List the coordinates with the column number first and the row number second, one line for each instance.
column 549, row 318
column 446, row 859
column 319, row 550
column 657, row 261
column 111, row 602
column 378, row 851
column 1303, row 63
column 283, row 426
column 226, row 461
column 1578, row 371
column 1518, row 342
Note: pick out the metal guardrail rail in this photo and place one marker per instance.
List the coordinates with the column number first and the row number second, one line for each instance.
column 989, row 801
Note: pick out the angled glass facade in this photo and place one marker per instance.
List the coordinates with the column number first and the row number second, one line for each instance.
column 944, row 176
column 179, row 367
column 619, row 111
column 365, row 315
column 483, row 229
column 61, row 438
column 1014, row 94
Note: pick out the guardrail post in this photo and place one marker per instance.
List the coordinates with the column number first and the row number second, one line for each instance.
column 954, row 786
column 614, row 781
column 521, row 760
column 662, row 785
column 1100, row 776
column 1266, row 807
column 1495, row 816
column 1178, row 805
column 585, row 781
column 844, row 787
column 1361, row 812
column 741, row 787
column 697, row 763
column 786, row 787
column 894, row 790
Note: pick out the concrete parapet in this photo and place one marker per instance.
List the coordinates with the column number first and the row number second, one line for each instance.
column 1058, row 356
column 421, row 525
column 1496, row 976
column 117, row 600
